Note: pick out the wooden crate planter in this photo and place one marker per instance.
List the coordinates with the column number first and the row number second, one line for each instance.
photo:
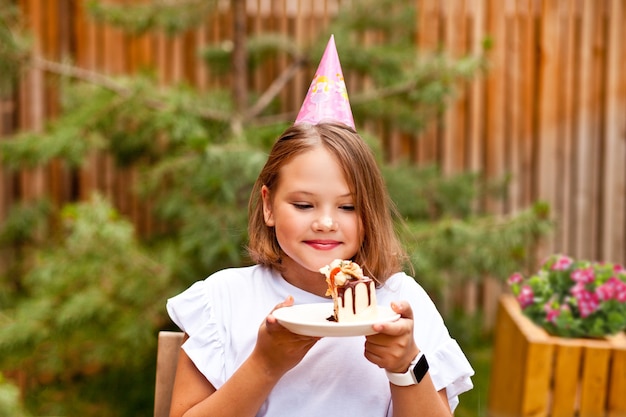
column 535, row 374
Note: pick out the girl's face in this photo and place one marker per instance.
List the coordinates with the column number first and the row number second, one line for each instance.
column 312, row 211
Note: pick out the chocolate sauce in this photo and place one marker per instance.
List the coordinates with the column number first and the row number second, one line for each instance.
column 352, row 284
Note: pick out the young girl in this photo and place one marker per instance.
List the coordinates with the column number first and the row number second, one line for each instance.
column 319, row 197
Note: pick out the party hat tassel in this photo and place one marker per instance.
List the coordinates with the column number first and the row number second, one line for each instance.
column 327, row 98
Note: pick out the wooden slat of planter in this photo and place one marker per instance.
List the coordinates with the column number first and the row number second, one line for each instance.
column 515, row 342
column 537, row 378
column 506, row 364
column 537, row 364
column 617, row 384
column 566, row 370
column 595, row 378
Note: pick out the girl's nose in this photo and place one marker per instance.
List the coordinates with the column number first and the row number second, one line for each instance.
column 325, row 223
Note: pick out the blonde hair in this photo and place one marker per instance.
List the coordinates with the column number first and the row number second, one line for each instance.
column 381, row 253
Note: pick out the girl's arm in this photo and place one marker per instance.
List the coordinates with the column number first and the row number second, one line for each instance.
column 393, row 349
column 420, row 399
column 277, row 350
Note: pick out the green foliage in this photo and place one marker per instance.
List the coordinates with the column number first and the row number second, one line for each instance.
column 9, row 400
column 407, row 87
column 206, row 199
column 13, row 45
column 454, row 250
column 171, row 17
column 91, row 302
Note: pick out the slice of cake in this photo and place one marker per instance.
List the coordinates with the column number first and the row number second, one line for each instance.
column 354, row 296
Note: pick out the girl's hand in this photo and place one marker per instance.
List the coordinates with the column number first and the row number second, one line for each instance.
column 278, row 349
column 393, row 347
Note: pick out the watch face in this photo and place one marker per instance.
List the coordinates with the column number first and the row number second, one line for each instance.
column 420, row 369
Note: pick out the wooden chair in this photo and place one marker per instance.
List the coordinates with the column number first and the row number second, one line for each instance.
column 167, row 357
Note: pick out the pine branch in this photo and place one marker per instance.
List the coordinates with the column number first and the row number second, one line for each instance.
column 111, row 84
column 275, row 88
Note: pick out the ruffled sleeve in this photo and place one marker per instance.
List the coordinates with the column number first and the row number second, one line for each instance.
column 450, row 369
column 195, row 314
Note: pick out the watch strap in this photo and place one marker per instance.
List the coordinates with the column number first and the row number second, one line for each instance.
column 414, row 375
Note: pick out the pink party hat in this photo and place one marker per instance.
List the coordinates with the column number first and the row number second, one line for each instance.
column 327, row 98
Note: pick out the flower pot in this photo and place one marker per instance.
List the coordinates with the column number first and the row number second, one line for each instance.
column 535, row 374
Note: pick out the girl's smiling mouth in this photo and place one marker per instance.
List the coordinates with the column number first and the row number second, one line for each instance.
column 322, row 244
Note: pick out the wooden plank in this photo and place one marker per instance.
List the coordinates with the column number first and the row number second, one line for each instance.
column 33, row 101
column 566, row 372
column 548, row 108
column 6, row 177
column 475, row 130
column 140, row 51
column 429, row 24
column 614, row 185
column 56, row 173
column 595, row 378
column 495, row 129
column 514, row 115
column 617, row 384
column 507, row 365
column 256, row 26
column 202, row 76
column 528, row 87
column 597, row 140
column 567, row 48
column 111, row 58
column 453, row 132
column 86, row 35
column 584, row 131
column 537, row 378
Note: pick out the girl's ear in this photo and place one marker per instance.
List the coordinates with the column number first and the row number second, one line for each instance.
column 268, row 215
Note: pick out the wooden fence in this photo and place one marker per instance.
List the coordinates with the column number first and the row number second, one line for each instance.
column 551, row 111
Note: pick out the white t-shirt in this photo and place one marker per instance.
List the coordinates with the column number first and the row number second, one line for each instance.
column 222, row 315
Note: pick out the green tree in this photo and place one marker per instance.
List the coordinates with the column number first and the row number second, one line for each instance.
column 82, row 302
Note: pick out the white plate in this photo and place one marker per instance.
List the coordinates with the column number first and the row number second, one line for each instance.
column 311, row 320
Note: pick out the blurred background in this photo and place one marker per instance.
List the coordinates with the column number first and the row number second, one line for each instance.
column 132, row 131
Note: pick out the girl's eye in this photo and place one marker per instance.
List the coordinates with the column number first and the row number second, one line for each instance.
column 347, row 207
column 302, row 206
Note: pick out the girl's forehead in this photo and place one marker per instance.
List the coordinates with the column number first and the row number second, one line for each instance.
column 316, row 167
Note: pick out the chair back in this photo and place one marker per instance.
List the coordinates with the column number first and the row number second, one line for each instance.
column 167, row 358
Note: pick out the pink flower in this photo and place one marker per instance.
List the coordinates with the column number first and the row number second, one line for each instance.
column 525, row 297
column 588, row 302
column 606, row 291
column 552, row 311
column 620, row 291
column 618, row 269
column 613, row 288
column 584, row 276
column 516, row 278
column 578, row 289
column 562, row 263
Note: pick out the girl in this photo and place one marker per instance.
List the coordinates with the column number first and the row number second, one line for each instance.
column 319, row 197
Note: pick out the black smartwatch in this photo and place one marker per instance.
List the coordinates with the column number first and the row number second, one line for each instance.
column 416, row 372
